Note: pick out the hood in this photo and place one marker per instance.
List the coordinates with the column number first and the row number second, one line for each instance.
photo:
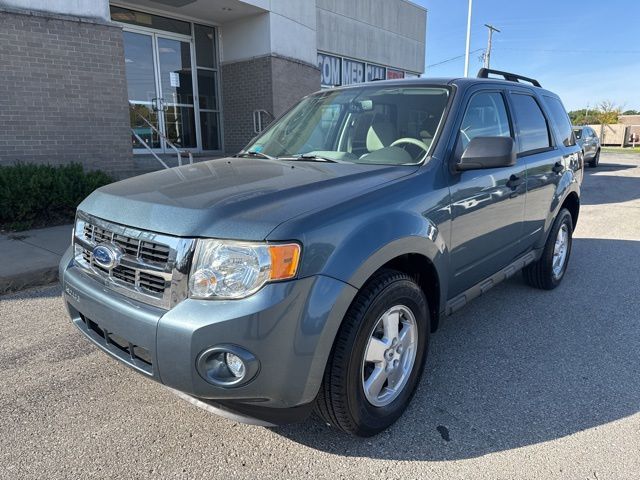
column 233, row 198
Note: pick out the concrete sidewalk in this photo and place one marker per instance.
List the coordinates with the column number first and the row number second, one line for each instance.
column 30, row 258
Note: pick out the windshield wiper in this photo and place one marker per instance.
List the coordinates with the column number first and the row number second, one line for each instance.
column 255, row 154
column 311, row 158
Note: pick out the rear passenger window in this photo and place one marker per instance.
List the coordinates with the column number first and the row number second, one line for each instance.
column 486, row 116
column 532, row 129
column 561, row 122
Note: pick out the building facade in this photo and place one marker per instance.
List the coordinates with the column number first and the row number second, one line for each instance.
column 117, row 85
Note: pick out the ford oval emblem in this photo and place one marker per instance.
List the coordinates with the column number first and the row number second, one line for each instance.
column 106, row 256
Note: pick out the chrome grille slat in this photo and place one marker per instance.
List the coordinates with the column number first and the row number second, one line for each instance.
column 153, row 267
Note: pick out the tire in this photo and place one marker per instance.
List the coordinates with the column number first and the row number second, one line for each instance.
column 342, row 401
column 595, row 161
column 541, row 274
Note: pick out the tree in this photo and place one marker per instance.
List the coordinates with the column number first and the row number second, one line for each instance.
column 584, row 116
column 631, row 112
column 608, row 112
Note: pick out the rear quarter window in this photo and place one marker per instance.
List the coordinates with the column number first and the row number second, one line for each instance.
column 531, row 124
column 560, row 120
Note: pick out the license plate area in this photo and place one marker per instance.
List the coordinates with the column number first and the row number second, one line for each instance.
column 136, row 356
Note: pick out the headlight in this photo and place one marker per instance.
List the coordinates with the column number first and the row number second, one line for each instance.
column 225, row 269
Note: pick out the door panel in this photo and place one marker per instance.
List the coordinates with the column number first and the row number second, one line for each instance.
column 487, row 223
column 542, row 183
column 541, row 154
column 487, row 206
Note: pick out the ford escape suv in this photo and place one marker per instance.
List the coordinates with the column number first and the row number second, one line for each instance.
column 309, row 271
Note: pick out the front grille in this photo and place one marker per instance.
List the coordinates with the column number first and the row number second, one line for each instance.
column 147, row 281
column 150, row 266
column 150, row 251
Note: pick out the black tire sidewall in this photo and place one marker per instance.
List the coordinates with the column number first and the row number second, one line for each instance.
column 564, row 217
column 371, row 419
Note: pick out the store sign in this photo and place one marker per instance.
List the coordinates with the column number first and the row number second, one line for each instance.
column 353, row 72
column 330, row 70
column 335, row 71
column 375, row 72
column 394, row 74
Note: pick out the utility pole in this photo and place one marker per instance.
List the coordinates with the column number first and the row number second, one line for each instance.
column 466, row 55
column 487, row 54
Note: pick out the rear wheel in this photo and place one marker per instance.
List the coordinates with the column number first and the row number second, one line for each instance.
column 378, row 356
column 548, row 271
column 593, row 163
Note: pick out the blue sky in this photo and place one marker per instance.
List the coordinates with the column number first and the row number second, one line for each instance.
column 586, row 51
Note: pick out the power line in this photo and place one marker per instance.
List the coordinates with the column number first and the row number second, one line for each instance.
column 454, row 58
column 564, row 50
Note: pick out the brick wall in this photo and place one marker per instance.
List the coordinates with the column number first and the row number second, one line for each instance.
column 270, row 83
column 246, row 86
column 63, row 93
column 291, row 82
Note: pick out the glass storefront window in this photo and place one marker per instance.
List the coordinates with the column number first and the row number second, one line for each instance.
column 205, row 38
column 140, row 128
column 180, row 126
column 207, row 89
column 175, row 70
column 138, row 60
column 124, row 15
column 209, row 127
column 172, row 82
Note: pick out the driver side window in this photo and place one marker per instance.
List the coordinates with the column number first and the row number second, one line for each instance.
column 486, row 116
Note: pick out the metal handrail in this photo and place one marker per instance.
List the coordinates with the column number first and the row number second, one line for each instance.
column 149, row 148
column 257, row 119
column 161, row 135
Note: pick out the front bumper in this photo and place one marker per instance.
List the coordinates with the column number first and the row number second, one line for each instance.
column 288, row 326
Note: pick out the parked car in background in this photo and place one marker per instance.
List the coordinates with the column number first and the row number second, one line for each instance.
column 590, row 143
column 309, row 271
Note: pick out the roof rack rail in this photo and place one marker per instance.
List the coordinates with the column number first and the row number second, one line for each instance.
column 512, row 77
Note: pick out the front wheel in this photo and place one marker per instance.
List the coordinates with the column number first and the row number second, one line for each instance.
column 595, row 161
column 548, row 271
column 378, row 356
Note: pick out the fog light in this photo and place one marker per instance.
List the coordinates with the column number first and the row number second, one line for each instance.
column 235, row 364
column 227, row 365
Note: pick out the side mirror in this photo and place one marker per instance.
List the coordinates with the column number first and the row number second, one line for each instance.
column 488, row 152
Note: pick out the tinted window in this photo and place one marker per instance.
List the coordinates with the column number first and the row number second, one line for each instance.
column 531, row 124
column 578, row 133
column 561, row 122
column 486, row 116
column 205, row 46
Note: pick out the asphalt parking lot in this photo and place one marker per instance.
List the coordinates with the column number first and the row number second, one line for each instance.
column 519, row 384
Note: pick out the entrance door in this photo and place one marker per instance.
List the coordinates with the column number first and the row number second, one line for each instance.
column 160, row 86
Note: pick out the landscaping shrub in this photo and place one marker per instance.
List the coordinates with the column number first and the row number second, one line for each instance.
column 44, row 195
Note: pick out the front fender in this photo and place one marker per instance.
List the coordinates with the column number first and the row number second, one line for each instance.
column 354, row 256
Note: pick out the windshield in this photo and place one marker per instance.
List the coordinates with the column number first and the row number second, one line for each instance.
column 390, row 125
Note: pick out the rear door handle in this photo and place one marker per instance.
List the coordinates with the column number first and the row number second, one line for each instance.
column 558, row 167
column 514, row 182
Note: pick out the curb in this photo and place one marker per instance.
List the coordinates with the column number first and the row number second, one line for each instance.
column 33, row 278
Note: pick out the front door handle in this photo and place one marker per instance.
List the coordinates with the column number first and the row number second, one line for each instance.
column 558, row 167
column 514, row 182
